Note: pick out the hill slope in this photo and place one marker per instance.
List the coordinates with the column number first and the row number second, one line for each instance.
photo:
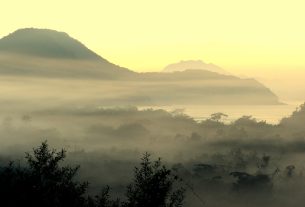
column 48, row 53
column 45, row 43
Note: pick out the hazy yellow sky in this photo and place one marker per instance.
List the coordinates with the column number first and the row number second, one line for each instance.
column 242, row 36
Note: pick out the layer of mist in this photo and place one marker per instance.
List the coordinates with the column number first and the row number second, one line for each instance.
column 246, row 160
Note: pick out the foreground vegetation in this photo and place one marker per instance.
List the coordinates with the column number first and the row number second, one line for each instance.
column 44, row 182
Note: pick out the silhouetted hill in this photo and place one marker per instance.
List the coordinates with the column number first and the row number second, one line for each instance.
column 45, row 43
column 49, row 53
column 190, row 74
column 205, row 87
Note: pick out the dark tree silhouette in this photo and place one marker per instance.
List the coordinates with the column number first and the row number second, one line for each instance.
column 42, row 182
column 153, row 186
column 217, row 116
column 103, row 200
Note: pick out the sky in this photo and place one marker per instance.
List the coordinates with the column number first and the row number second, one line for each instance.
column 257, row 38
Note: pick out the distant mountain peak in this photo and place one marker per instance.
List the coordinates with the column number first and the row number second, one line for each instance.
column 45, row 43
column 194, row 64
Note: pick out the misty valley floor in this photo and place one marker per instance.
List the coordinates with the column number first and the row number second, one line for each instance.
column 245, row 162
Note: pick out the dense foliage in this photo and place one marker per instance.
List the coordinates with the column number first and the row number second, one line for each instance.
column 43, row 181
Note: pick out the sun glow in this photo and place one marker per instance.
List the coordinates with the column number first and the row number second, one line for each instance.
column 239, row 35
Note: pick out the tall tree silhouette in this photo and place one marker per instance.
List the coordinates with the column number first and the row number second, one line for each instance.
column 42, row 182
column 153, row 186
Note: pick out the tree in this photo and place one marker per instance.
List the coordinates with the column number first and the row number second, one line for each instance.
column 218, row 116
column 153, row 186
column 42, row 182
column 103, row 200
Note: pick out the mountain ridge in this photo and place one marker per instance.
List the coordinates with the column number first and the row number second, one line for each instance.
column 194, row 65
column 46, row 43
column 44, row 53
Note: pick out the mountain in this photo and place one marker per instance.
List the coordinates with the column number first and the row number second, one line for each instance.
column 45, row 43
column 45, row 52
column 194, row 64
column 47, row 55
